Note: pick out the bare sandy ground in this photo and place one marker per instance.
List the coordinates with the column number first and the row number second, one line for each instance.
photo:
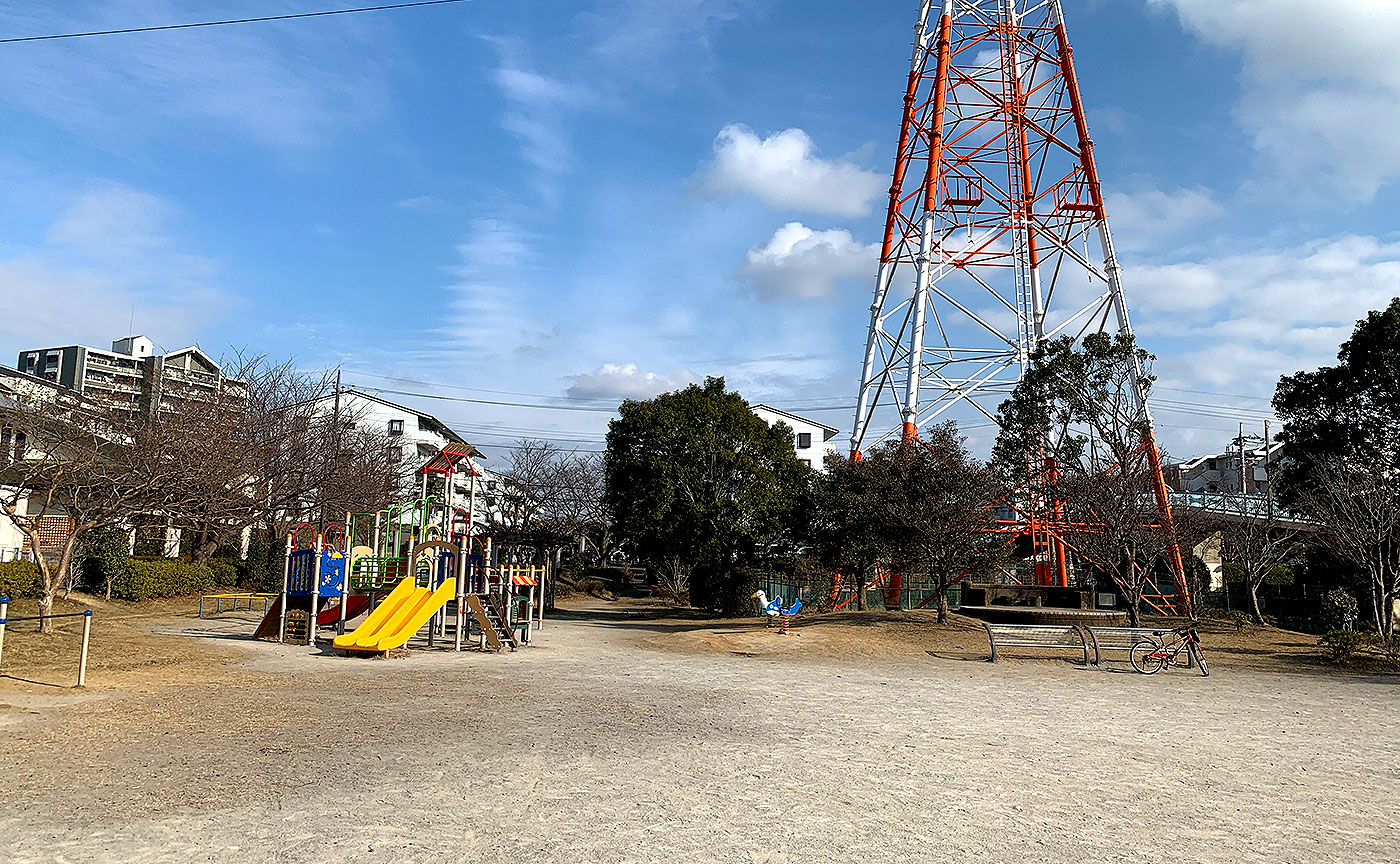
column 644, row 740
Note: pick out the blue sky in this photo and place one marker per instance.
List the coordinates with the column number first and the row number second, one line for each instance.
column 584, row 201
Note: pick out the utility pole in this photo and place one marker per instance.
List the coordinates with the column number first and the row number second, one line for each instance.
column 1244, row 476
column 1268, row 473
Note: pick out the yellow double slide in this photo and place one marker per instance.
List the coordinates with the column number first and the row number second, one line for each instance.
column 398, row 617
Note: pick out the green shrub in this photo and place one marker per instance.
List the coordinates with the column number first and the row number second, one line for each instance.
column 227, row 571
column 143, row 579
column 103, row 552
column 263, row 569
column 1338, row 610
column 19, row 579
column 1388, row 646
column 1341, row 645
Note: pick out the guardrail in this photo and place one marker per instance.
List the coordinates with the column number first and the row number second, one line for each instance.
column 87, row 632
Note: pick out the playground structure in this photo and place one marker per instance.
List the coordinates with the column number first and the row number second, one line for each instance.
column 996, row 241
column 774, row 610
column 412, row 566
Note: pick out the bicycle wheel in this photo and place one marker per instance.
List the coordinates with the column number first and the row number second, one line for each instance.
column 1200, row 660
column 1146, row 657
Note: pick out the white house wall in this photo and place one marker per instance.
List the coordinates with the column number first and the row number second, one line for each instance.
column 814, row 455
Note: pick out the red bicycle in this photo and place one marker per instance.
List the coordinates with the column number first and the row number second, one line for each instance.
column 1150, row 655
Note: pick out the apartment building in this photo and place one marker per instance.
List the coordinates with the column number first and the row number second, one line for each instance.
column 132, row 376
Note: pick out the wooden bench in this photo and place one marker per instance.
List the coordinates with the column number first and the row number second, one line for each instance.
column 1104, row 639
column 1059, row 636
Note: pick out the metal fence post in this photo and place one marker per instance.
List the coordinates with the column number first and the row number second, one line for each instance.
column 82, row 658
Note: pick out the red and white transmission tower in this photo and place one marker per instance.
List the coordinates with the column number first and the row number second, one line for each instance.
column 996, row 237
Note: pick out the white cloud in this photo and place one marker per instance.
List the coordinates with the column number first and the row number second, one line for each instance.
column 1321, row 86
column 784, row 171
column 625, row 381
column 1249, row 318
column 109, row 252
column 1148, row 215
column 799, row 262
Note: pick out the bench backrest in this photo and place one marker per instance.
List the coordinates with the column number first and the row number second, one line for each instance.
column 1121, row 638
column 1035, row 636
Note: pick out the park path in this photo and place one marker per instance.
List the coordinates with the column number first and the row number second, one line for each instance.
column 595, row 746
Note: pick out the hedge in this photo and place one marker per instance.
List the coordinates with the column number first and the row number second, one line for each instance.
column 19, row 579
column 227, row 571
column 162, row 577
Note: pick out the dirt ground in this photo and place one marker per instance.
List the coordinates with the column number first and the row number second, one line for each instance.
column 629, row 733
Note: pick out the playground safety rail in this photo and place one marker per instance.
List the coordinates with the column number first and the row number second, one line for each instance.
column 250, row 596
column 87, row 632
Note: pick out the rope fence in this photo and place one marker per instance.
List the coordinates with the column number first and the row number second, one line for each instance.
column 5, row 619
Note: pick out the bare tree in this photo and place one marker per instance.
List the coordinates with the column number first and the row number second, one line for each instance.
column 1259, row 542
column 85, row 466
column 1114, row 528
column 1359, row 507
column 1075, row 430
column 284, row 449
column 673, row 578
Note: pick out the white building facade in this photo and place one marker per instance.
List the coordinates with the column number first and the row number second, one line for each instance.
column 420, row 436
column 811, row 440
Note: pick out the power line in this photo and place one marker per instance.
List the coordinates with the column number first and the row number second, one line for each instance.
column 491, row 401
column 478, row 389
column 286, row 17
column 1214, row 393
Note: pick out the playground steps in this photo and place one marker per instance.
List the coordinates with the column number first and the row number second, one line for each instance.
column 491, row 618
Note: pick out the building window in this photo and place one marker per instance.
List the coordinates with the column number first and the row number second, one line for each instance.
column 804, row 440
column 395, row 427
column 807, row 462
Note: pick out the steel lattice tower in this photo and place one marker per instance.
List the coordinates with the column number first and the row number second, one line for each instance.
column 996, row 236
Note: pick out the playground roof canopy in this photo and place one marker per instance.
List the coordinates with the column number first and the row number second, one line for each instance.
column 447, row 459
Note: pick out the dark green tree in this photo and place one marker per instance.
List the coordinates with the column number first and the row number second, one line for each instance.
column 848, row 529
column 939, row 505
column 696, row 476
column 1341, row 461
column 1350, row 410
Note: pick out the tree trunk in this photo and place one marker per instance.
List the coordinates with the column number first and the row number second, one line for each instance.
column 204, row 551
column 942, row 601
column 1134, row 616
column 1254, row 602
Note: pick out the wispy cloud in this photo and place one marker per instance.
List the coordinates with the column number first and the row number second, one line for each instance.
column 1243, row 320
column 1148, row 215
column 539, row 112
column 487, row 315
column 279, row 87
